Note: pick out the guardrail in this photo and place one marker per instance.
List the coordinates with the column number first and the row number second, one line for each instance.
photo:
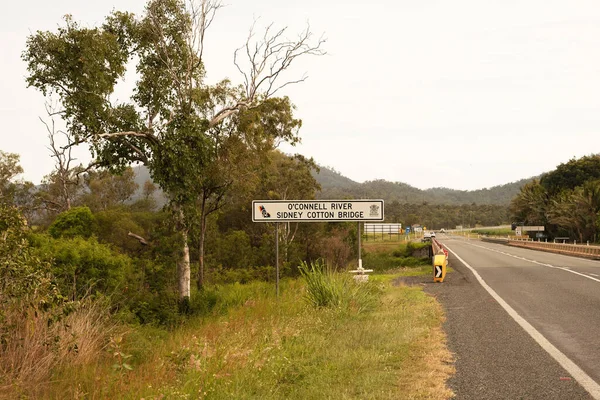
column 438, row 248
column 579, row 250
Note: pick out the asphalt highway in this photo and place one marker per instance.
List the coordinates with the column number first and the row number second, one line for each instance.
column 522, row 324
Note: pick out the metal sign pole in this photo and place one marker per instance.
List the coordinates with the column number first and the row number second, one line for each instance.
column 359, row 247
column 277, row 257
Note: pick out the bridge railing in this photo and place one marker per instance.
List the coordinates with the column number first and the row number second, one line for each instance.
column 561, row 248
column 438, row 248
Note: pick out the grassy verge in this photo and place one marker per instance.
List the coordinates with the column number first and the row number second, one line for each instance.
column 495, row 232
column 268, row 349
column 325, row 337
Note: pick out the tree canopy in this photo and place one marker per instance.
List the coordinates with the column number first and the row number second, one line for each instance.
column 188, row 133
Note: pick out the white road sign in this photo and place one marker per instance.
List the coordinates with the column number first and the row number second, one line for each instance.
column 316, row 210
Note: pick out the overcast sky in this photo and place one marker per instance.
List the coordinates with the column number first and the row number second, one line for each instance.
column 461, row 94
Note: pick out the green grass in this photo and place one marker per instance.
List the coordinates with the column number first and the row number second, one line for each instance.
column 324, row 337
column 382, row 257
column 263, row 348
column 494, row 232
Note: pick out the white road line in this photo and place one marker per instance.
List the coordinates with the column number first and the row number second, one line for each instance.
column 594, row 274
column 538, row 263
column 577, row 373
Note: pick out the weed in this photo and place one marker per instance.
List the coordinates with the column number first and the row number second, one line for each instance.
column 120, row 358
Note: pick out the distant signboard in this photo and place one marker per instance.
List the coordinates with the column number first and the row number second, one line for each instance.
column 316, row 210
column 382, row 228
column 533, row 228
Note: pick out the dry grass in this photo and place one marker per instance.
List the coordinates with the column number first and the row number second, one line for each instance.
column 283, row 349
column 34, row 349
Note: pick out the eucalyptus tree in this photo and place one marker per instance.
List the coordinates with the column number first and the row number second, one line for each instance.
column 290, row 178
column 9, row 170
column 174, row 120
column 106, row 190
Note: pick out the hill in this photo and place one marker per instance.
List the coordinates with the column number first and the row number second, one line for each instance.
column 335, row 185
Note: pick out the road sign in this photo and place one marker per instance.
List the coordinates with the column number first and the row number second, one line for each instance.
column 440, row 262
column 533, row 228
column 316, row 210
column 382, row 228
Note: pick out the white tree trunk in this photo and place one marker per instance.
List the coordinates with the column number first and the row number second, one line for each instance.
column 183, row 269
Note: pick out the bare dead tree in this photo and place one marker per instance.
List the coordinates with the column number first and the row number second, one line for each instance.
column 266, row 60
column 65, row 177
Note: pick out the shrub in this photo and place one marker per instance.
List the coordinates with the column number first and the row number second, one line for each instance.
column 39, row 330
column 77, row 221
column 82, row 264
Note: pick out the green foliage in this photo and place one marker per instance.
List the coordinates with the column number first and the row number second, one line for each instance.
column 78, row 221
column 266, row 273
column 9, row 169
column 119, row 356
column 82, row 265
column 82, row 66
column 234, row 250
column 327, row 288
column 197, row 140
column 409, row 255
column 571, row 174
column 24, row 278
column 107, row 190
column 437, row 216
column 566, row 201
column 494, row 232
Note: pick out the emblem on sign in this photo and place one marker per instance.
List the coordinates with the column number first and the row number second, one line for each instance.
column 264, row 212
column 374, row 210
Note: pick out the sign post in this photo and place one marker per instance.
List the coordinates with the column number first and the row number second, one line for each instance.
column 317, row 211
column 359, row 246
column 277, row 258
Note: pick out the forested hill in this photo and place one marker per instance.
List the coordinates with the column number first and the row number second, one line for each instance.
column 334, row 186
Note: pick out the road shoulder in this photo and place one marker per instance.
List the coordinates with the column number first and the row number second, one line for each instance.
column 494, row 357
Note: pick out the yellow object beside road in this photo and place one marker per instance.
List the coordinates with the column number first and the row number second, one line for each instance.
column 439, row 267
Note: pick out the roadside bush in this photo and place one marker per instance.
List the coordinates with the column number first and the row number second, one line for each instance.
column 82, row 265
column 39, row 330
column 234, row 250
column 77, row 221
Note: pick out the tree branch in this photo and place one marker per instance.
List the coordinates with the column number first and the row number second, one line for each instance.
column 138, row 237
column 266, row 61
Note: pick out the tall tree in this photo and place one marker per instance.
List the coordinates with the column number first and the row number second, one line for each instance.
column 170, row 123
column 9, row 169
column 108, row 190
column 530, row 205
column 290, row 178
